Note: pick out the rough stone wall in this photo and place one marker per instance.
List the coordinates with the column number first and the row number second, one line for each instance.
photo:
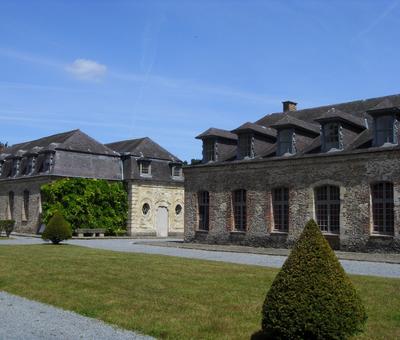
column 155, row 195
column 354, row 174
column 24, row 224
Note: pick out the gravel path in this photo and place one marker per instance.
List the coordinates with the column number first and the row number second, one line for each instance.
column 24, row 319
column 139, row 246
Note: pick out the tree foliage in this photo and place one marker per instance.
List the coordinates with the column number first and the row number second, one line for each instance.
column 58, row 229
column 7, row 226
column 312, row 297
column 87, row 203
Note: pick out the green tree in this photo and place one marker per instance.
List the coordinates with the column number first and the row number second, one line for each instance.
column 87, row 203
column 58, row 229
column 312, row 297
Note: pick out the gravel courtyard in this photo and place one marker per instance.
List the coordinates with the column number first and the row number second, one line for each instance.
column 24, row 319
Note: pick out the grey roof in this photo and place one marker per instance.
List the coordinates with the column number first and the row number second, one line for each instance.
column 213, row 132
column 356, row 108
column 384, row 106
column 334, row 114
column 143, row 147
column 263, row 130
column 289, row 121
column 74, row 140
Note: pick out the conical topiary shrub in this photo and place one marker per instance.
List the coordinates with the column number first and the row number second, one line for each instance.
column 312, row 297
column 58, row 229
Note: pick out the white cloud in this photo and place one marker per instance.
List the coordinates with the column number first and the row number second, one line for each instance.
column 87, row 69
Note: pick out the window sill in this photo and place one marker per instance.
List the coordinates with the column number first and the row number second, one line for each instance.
column 278, row 232
column 330, row 234
column 202, row 231
column 146, row 176
column 238, row 232
column 381, row 236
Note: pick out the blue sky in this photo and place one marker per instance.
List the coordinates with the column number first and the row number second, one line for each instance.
column 171, row 69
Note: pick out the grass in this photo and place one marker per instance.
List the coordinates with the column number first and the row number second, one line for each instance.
column 168, row 297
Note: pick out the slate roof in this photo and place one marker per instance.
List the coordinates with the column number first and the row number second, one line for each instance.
column 143, row 147
column 289, row 121
column 214, row 132
column 334, row 114
column 358, row 113
column 263, row 130
column 74, row 140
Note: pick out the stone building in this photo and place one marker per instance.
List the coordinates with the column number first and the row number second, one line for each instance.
column 339, row 164
column 152, row 175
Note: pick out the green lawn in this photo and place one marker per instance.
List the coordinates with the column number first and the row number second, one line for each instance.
column 167, row 297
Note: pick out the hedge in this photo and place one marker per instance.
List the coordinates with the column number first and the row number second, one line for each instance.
column 87, row 203
column 7, row 226
column 312, row 297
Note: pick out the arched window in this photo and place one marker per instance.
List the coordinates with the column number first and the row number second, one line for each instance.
column 204, row 210
column 26, row 205
column 327, row 208
column 240, row 209
column 145, row 209
column 11, row 204
column 383, row 208
column 280, row 203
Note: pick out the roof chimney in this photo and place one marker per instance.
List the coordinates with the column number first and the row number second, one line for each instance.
column 289, row 106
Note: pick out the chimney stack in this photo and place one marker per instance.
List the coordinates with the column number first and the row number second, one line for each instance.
column 289, row 106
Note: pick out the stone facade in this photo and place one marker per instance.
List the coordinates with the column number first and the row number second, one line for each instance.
column 353, row 169
column 156, row 196
column 25, row 167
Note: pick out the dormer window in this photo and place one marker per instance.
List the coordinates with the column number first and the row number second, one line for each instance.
column 177, row 171
column 285, row 142
column 385, row 130
column 15, row 167
column 30, row 166
column 145, row 168
column 331, row 136
column 1, row 167
column 209, row 150
column 47, row 163
column 246, row 146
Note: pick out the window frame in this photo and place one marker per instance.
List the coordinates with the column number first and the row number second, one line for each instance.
column 386, row 217
column 25, row 201
column 246, row 145
column 389, row 131
column 239, row 200
column 327, row 211
column 203, row 199
column 209, row 153
column 11, row 203
column 146, row 173
column 280, row 209
column 334, row 142
column 289, row 142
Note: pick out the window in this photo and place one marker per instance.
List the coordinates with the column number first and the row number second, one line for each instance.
column 1, row 167
column 204, row 210
column 176, row 171
column 384, row 130
column 209, row 150
column 331, row 136
column 15, row 167
column 145, row 168
column 11, row 204
column 327, row 207
column 285, row 142
column 26, row 206
column 383, row 208
column 47, row 163
column 30, row 166
column 178, row 209
column 280, row 202
column 145, row 209
column 246, row 146
column 239, row 210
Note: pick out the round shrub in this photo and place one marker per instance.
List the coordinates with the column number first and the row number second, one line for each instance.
column 7, row 226
column 312, row 297
column 58, row 229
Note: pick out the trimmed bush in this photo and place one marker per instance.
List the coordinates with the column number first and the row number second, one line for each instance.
column 7, row 226
column 58, row 229
column 312, row 297
column 87, row 203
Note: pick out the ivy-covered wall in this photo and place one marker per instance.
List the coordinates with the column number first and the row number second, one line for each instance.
column 87, row 203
